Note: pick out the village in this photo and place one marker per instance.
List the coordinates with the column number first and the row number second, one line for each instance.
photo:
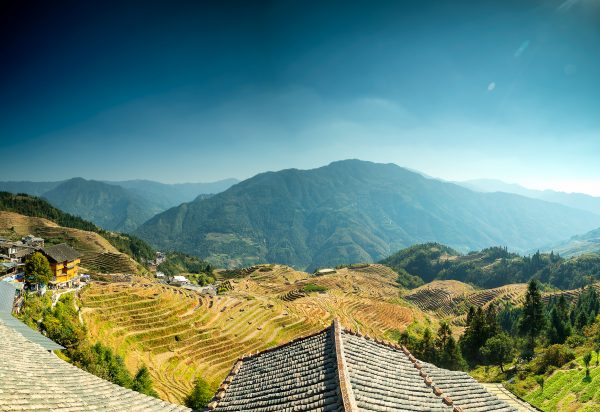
column 66, row 271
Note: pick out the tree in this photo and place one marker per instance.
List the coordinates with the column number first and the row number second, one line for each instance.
column 540, row 381
column 449, row 355
column 597, row 347
column 532, row 320
column 426, row 350
column 142, row 382
column 37, row 270
column 479, row 328
column 498, row 350
column 560, row 326
column 200, row 396
column 587, row 358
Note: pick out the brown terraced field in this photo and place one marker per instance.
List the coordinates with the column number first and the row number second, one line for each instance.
column 179, row 334
column 451, row 299
column 98, row 254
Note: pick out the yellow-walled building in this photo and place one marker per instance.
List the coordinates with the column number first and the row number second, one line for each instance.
column 64, row 262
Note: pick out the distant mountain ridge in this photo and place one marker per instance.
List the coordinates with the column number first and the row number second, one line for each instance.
column 578, row 245
column 120, row 206
column 351, row 211
column 575, row 200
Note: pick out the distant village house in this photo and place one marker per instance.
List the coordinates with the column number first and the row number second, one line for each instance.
column 179, row 280
column 33, row 241
column 15, row 251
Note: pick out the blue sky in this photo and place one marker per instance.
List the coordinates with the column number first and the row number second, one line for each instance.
column 189, row 91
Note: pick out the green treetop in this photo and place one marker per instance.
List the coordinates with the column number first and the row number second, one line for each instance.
column 498, row 350
column 532, row 320
column 200, row 396
column 142, row 382
column 37, row 269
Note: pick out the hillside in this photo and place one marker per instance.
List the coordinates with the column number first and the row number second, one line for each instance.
column 170, row 195
column 578, row 245
column 494, row 267
column 353, row 211
column 451, row 299
column 180, row 334
column 98, row 254
column 35, row 207
column 109, row 206
column 120, row 206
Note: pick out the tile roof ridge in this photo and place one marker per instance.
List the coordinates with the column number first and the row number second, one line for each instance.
column 220, row 394
column 346, row 392
column 429, row 381
column 417, row 364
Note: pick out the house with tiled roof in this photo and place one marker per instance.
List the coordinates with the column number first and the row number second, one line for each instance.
column 339, row 370
column 64, row 263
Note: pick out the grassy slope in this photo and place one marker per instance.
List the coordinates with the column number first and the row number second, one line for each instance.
column 91, row 244
column 179, row 334
column 566, row 390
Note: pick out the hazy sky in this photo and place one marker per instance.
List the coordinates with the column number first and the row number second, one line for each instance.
column 184, row 91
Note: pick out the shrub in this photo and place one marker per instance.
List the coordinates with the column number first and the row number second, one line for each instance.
column 554, row 355
column 200, row 396
column 142, row 382
column 311, row 287
column 574, row 341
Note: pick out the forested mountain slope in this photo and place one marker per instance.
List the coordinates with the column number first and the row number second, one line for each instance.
column 351, row 211
column 121, row 206
column 109, row 206
column 493, row 267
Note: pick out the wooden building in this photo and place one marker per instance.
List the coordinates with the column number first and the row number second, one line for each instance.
column 64, row 262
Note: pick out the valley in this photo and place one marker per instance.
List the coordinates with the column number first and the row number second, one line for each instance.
column 179, row 334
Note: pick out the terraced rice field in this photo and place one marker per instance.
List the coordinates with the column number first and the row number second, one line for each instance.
column 452, row 299
column 108, row 262
column 179, row 334
column 98, row 254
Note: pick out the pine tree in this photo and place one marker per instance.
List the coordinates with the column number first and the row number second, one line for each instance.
column 480, row 327
column 426, row 348
column 449, row 354
column 142, row 382
column 532, row 320
column 587, row 358
column 560, row 328
column 200, row 396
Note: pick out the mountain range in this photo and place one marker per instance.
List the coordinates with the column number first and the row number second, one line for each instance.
column 120, row 206
column 352, row 211
column 575, row 200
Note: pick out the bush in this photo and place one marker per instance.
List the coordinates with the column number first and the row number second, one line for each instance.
column 574, row 341
column 311, row 287
column 200, row 396
column 554, row 355
column 142, row 383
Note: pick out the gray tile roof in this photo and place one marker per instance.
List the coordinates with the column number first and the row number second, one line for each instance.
column 61, row 253
column 299, row 376
column 338, row 370
column 7, row 297
column 32, row 378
